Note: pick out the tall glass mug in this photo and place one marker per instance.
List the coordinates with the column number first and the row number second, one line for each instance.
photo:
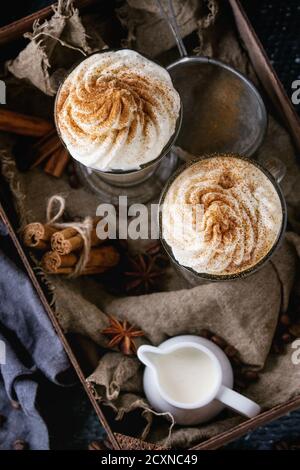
column 118, row 115
column 222, row 217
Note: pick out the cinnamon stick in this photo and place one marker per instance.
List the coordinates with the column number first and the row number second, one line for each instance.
column 64, row 245
column 93, row 270
column 100, row 260
column 57, row 162
column 22, row 124
column 52, row 262
column 105, row 256
column 45, row 148
column 69, row 232
column 44, row 139
column 69, row 240
column 63, row 271
column 38, row 236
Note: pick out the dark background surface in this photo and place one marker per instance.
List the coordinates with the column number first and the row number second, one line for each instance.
column 277, row 24
column 72, row 421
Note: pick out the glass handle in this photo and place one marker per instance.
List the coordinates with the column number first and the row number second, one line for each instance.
column 276, row 167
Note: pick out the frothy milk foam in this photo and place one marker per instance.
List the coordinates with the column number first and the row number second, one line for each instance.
column 117, row 110
column 186, row 375
column 241, row 216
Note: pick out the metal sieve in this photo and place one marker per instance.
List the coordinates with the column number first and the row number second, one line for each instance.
column 222, row 109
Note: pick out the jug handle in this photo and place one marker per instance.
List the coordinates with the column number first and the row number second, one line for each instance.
column 238, row 402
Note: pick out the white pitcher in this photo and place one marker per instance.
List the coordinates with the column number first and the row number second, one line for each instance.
column 191, row 378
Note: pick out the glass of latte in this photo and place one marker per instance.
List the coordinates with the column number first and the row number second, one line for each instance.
column 221, row 218
column 118, row 115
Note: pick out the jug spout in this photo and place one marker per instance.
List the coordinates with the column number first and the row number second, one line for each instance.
column 148, row 355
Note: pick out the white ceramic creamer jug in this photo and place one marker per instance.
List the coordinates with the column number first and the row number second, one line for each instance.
column 191, row 378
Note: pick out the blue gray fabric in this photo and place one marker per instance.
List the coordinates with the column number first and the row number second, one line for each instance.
column 33, row 353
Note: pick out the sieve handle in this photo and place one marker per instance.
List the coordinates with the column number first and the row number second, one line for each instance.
column 170, row 18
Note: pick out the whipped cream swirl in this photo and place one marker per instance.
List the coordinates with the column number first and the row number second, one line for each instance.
column 117, row 111
column 221, row 216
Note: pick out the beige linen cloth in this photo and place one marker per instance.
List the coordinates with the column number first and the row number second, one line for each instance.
column 243, row 312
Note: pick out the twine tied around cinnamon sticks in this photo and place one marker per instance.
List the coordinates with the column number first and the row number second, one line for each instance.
column 72, row 244
column 83, row 228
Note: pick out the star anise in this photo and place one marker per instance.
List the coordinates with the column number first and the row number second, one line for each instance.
column 122, row 336
column 143, row 274
column 154, row 249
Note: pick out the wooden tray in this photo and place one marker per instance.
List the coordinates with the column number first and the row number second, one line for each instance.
column 272, row 86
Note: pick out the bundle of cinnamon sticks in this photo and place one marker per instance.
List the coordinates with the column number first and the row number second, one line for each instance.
column 61, row 249
column 47, row 150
